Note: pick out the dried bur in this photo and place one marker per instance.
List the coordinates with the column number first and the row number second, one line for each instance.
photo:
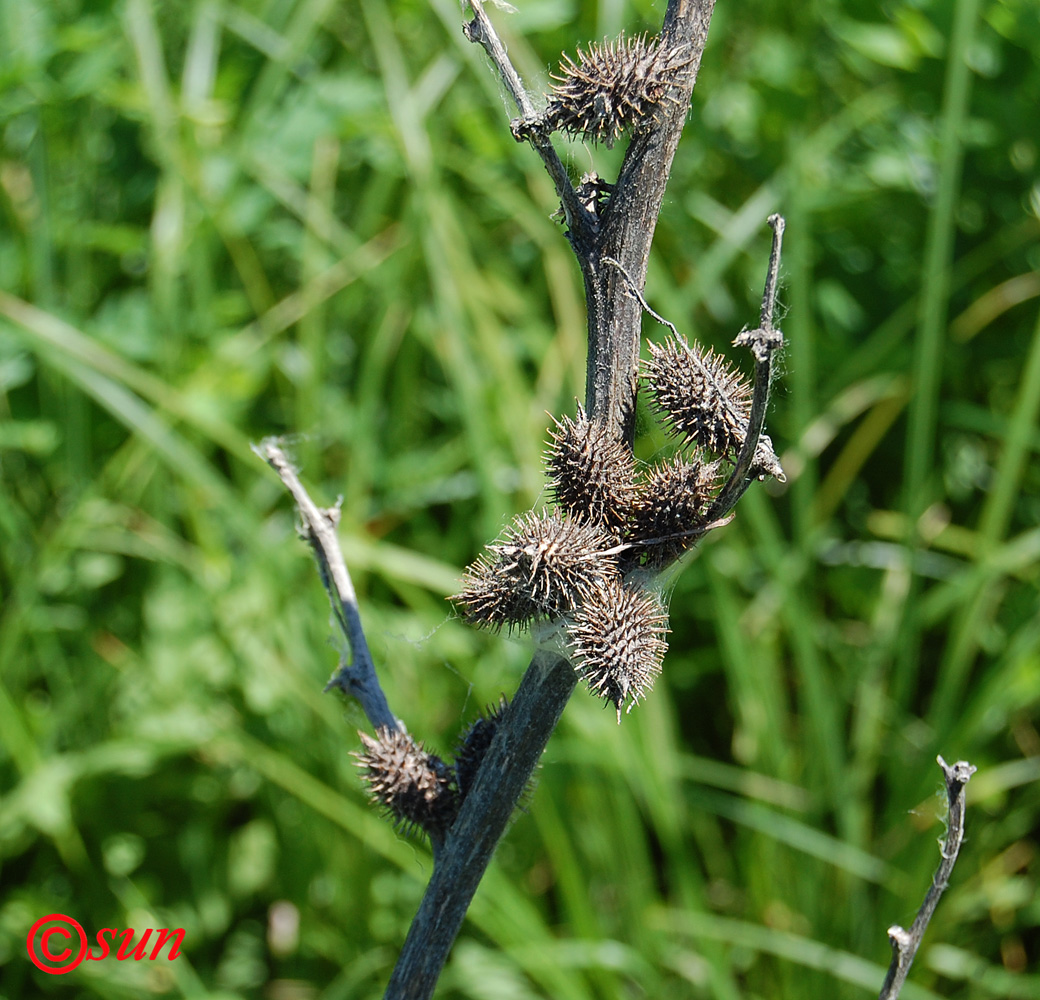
column 473, row 745
column 616, row 635
column 416, row 788
column 591, row 472
column 613, row 88
column 617, row 643
column 706, row 401
column 667, row 511
column 544, row 565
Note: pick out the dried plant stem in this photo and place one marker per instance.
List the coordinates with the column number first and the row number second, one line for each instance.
column 481, row 31
column 763, row 342
column 622, row 228
column 358, row 676
column 905, row 943
column 623, row 231
column 520, row 738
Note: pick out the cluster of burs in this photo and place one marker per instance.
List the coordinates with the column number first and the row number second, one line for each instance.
column 416, row 788
column 582, row 573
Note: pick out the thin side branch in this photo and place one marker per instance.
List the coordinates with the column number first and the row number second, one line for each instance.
column 777, row 224
column 358, row 676
column 763, row 342
column 905, row 943
column 481, row 31
column 705, row 372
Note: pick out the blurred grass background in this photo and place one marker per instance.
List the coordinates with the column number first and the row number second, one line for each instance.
column 225, row 219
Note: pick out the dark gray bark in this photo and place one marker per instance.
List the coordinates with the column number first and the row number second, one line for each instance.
column 504, row 774
column 626, row 232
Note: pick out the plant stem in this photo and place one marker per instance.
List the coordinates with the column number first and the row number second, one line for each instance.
column 504, row 773
column 358, row 675
column 624, row 232
column 905, row 943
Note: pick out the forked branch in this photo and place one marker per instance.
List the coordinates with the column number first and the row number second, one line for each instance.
column 621, row 226
column 603, row 220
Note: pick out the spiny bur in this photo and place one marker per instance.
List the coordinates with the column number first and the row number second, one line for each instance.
column 545, row 565
column 473, row 745
column 705, row 400
column 613, row 87
column 668, row 506
column 617, row 640
column 491, row 599
column 416, row 788
column 590, row 471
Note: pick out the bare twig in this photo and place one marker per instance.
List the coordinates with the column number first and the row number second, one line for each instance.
column 905, row 943
column 777, row 224
column 358, row 676
column 763, row 342
column 579, row 219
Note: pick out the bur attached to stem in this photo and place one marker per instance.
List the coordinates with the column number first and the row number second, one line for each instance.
column 416, row 788
column 473, row 745
column 613, row 88
column 617, row 640
column 706, row 401
column 591, row 472
column 667, row 513
column 544, row 565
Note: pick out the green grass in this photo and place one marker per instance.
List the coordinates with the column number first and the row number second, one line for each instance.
column 225, row 221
